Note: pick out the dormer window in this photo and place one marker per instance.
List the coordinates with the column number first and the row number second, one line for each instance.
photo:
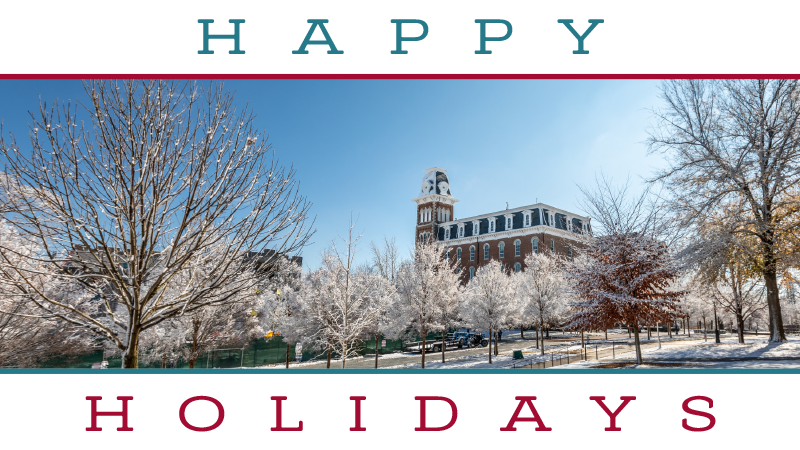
column 476, row 226
column 491, row 225
column 509, row 223
column 461, row 231
column 526, row 218
column 447, row 233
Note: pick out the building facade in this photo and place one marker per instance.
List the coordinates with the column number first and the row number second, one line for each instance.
column 506, row 236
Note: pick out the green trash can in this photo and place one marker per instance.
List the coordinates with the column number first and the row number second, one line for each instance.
column 518, row 354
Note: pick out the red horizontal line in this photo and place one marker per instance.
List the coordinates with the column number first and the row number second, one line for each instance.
column 380, row 76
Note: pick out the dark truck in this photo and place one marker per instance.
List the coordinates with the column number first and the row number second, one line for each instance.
column 459, row 339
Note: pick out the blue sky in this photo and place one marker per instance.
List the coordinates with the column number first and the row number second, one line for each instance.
column 360, row 147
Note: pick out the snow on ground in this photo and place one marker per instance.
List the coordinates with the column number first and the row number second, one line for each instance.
column 682, row 351
column 755, row 353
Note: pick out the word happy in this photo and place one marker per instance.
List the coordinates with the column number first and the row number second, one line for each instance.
column 524, row 412
column 401, row 35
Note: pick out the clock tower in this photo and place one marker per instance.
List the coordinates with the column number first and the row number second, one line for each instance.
column 434, row 204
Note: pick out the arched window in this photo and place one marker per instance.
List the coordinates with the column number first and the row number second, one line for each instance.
column 458, row 253
column 447, row 233
column 475, row 229
column 535, row 242
column 502, row 267
column 491, row 225
column 570, row 251
column 517, row 245
column 509, row 223
column 447, row 255
column 471, row 272
column 552, row 245
column 502, row 247
column 472, row 253
column 486, row 252
column 517, row 267
column 461, row 231
column 458, row 270
column 527, row 220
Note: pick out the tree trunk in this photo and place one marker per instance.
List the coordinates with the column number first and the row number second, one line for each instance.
column 191, row 363
column 540, row 332
column 521, row 332
column 776, row 333
column 490, row 345
column 130, row 358
column 377, row 350
column 537, row 336
column 495, row 343
column 329, row 358
column 637, row 344
column 444, row 335
column 164, row 361
column 423, row 350
column 606, row 333
column 287, row 356
column 705, row 333
column 740, row 325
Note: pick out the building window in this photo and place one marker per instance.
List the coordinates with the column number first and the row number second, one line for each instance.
column 509, row 223
column 486, row 252
column 447, row 255
column 502, row 247
column 472, row 253
column 517, row 267
column 458, row 253
column 461, row 231
column 502, row 267
column 570, row 251
column 475, row 228
column 552, row 245
column 491, row 225
column 527, row 220
column 458, row 270
column 535, row 242
column 471, row 272
column 447, row 233
column 517, row 245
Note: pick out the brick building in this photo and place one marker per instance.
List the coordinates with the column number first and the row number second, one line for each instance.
column 507, row 236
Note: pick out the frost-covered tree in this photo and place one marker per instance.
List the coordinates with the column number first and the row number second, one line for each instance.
column 386, row 263
column 541, row 291
column 338, row 303
column 735, row 144
column 489, row 300
column 626, row 272
column 427, row 287
column 28, row 337
column 147, row 182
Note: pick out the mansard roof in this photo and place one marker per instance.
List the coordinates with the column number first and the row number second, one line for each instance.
column 520, row 209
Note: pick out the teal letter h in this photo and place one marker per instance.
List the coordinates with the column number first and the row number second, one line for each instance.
column 207, row 37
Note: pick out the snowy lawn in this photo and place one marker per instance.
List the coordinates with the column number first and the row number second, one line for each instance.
column 755, row 353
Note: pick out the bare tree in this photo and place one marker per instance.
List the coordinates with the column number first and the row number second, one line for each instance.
column 735, row 143
column 167, row 181
column 386, row 260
